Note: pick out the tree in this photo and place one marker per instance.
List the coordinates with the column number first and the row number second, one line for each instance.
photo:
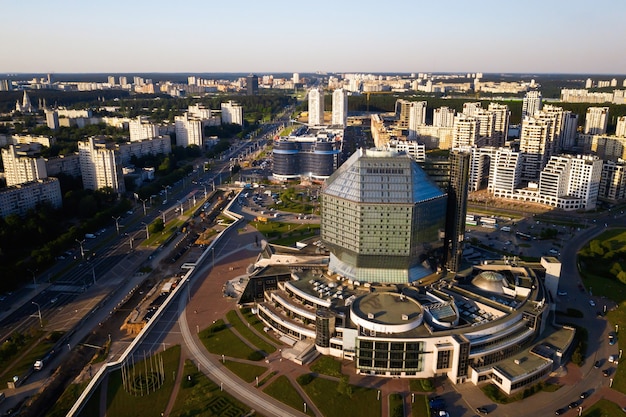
column 157, row 226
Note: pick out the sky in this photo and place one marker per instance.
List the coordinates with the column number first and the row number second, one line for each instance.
column 252, row 36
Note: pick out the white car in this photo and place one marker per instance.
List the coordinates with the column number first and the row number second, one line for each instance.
column 592, row 303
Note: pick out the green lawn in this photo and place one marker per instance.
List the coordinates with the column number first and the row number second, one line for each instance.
column 420, row 408
column 67, row 400
column 327, row 365
column 20, row 367
column 120, row 403
column 201, row 397
column 603, row 408
column 244, row 330
column 255, row 322
column 92, row 407
column 220, row 340
column 245, row 371
column 282, row 389
column 396, row 405
column 422, row 385
column 362, row 402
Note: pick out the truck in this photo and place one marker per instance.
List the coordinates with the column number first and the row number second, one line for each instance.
column 38, row 365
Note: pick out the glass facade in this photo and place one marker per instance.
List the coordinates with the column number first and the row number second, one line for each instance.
column 389, row 356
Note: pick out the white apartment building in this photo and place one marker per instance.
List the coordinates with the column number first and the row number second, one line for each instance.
column 571, row 182
column 505, row 172
column 443, row 117
column 340, row 107
column 417, row 117
column 596, row 120
column 100, row 165
column 232, row 113
column 64, row 164
column 500, row 130
column 52, row 119
column 18, row 199
column 465, row 131
column 531, row 103
column 620, row 129
column 22, row 163
column 416, row 150
column 471, row 109
column 613, row 181
column 141, row 129
column 160, row 145
column 189, row 131
column 316, row 107
column 536, row 145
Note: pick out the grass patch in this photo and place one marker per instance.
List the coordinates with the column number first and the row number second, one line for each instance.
column 202, row 397
column 293, row 230
column 327, row 365
column 422, row 384
column 282, row 389
column 220, row 340
column 419, row 408
column 24, row 363
column 67, row 400
column 494, row 393
column 245, row 371
column 92, row 407
column 359, row 402
column 292, row 239
column 244, row 330
column 255, row 322
column 121, row 404
column 396, row 405
column 603, row 408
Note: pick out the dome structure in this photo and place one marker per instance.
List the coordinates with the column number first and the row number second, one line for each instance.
column 491, row 281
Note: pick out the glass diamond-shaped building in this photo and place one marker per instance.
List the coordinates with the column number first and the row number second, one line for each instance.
column 383, row 218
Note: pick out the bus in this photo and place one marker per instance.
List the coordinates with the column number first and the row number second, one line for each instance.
column 523, row 236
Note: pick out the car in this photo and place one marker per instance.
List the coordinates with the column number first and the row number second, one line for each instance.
column 611, row 340
column 606, row 372
column 561, row 411
column 562, row 293
column 584, row 395
column 592, row 303
column 597, row 364
column 482, row 410
column 574, row 404
column 613, row 359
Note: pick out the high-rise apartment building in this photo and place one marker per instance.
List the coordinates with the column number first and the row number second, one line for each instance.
column 465, row 131
column 620, row 128
column 295, row 78
column 111, row 80
column 500, row 129
column 340, row 107
column 531, row 103
column 52, row 119
column 141, row 129
column 536, row 145
column 23, row 163
column 19, row 199
column 443, row 117
column 596, row 120
column 232, row 112
column 456, row 209
column 471, row 109
column 613, row 181
column 505, row 172
column 316, row 107
column 417, row 117
column 100, row 165
column 189, row 131
column 571, row 182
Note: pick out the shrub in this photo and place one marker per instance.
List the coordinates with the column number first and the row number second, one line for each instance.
column 305, row 379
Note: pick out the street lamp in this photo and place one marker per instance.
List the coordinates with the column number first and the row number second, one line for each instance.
column 163, row 216
column 39, row 313
column 144, row 205
column 147, row 231
column 181, row 207
column 131, row 242
column 580, row 411
column 117, row 224
column 165, row 187
column 34, row 279
column 82, row 251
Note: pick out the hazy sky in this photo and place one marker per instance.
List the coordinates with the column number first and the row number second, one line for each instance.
column 574, row 36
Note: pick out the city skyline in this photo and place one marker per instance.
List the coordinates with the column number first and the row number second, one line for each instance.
column 483, row 36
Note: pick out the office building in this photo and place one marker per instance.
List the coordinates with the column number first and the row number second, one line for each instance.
column 367, row 204
column 141, row 129
column 23, row 163
column 531, row 103
column 189, row 131
column 596, row 120
column 21, row 198
column 316, row 107
column 232, row 113
column 456, row 208
column 252, row 85
column 340, row 107
column 100, row 165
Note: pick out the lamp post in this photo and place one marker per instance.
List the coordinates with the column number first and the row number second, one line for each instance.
column 143, row 201
column 34, row 277
column 181, row 207
column 163, row 216
column 147, row 231
column 117, row 224
column 38, row 313
column 82, row 251
column 165, row 187
column 580, row 411
column 131, row 242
